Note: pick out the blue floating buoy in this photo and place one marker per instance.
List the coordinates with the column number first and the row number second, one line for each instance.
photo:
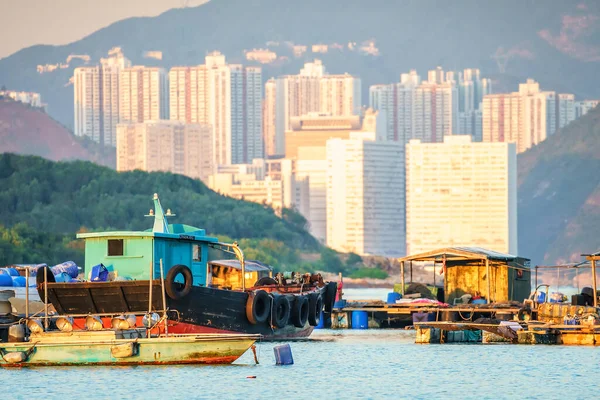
column 6, row 280
column 18, row 281
column 283, row 355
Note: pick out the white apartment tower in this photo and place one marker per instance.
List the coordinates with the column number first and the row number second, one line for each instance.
column 460, row 193
column 227, row 97
column 582, row 107
column 365, row 205
column 96, row 98
column 170, row 146
column 144, row 94
column 526, row 117
column 312, row 90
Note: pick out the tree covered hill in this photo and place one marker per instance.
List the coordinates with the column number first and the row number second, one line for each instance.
column 60, row 198
column 559, row 194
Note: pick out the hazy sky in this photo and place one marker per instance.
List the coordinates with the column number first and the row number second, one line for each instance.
column 28, row 22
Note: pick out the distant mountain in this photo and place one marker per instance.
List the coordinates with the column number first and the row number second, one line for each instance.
column 28, row 130
column 559, row 194
column 557, row 42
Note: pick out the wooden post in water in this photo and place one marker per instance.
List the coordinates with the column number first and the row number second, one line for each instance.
column 402, row 276
column 593, row 260
column 489, row 278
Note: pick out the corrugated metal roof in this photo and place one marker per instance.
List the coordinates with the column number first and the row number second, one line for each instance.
column 458, row 253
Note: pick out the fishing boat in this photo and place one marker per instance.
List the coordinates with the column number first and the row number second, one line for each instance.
column 231, row 295
column 129, row 346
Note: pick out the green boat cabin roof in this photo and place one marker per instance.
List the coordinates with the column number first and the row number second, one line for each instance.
column 176, row 231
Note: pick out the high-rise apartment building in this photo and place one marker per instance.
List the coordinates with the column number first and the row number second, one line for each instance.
column 143, row 94
column 565, row 109
column 306, row 143
column 526, row 117
column 271, row 182
column 171, row 146
column 425, row 110
column 313, row 90
column 226, row 96
column 582, row 107
column 364, row 195
column 96, row 98
column 460, row 193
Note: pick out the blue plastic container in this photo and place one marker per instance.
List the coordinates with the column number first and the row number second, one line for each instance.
column 392, row 297
column 6, row 280
column 360, row 320
column 283, row 354
column 68, row 267
column 321, row 323
column 12, row 272
column 479, row 301
column 541, row 297
column 423, row 317
column 99, row 273
column 19, row 281
column 339, row 304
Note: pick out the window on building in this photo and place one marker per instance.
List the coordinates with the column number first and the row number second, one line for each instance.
column 115, row 247
column 196, row 252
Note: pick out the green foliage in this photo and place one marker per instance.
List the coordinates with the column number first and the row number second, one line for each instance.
column 374, row 273
column 62, row 197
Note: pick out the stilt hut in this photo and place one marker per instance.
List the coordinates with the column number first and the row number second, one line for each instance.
column 494, row 276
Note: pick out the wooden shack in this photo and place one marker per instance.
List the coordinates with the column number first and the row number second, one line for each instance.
column 476, row 271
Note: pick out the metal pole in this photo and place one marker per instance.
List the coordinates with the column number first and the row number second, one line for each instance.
column 46, row 298
column 489, row 278
column 164, row 299
column 150, row 294
column 536, row 276
column 402, row 276
column 26, row 293
column 594, row 281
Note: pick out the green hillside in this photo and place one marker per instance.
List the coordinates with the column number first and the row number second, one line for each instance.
column 559, row 194
column 43, row 204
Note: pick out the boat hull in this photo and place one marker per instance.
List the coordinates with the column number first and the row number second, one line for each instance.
column 177, row 349
column 202, row 310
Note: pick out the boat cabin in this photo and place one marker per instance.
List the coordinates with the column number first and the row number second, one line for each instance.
column 133, row 255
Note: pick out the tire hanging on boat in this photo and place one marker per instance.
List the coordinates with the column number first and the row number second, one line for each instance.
column 258, row 307
column 174, row 289
column 315, row 305
column 300, row 311
column 280, row 314
column 39, row 280
column 329, row 296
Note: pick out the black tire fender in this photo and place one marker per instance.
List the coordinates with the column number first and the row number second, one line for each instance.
column 39, row 281
column 329, row 296
column 258, row 307
column 174, row 289
column 300, row 311
column 280, row 314
column 315, row 305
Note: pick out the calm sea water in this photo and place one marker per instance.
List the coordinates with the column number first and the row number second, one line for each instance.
column 338, row 364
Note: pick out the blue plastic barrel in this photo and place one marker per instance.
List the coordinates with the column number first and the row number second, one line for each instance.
column 321, row 323
column 12, row 271
column 541, row 297
column 6, row 280
column 392, row 297
column 283, row 354
column 360, row 320
column 18, row 281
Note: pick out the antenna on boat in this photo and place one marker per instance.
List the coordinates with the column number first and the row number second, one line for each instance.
column 160, row 217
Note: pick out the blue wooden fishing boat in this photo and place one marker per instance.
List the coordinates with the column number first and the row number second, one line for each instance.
column 231, row 295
